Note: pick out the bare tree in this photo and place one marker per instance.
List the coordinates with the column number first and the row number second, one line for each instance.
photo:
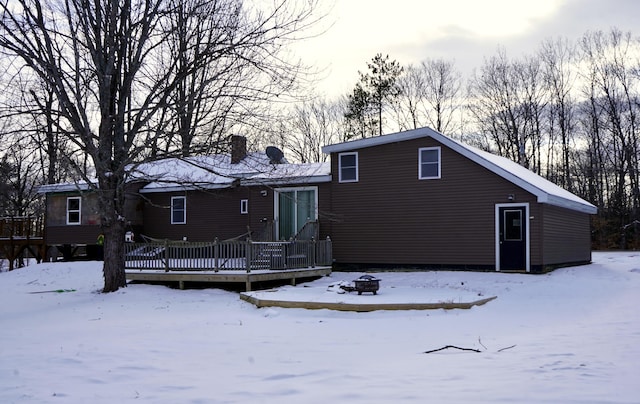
column 111, row 68
column 312, row 125
column 612, row 89
column 558, row 61
column 430, row 95
column 507, row 102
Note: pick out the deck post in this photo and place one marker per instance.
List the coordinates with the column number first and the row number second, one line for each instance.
column 166, row 255
column 313, row 252
column 248, row 253
column 215, row 255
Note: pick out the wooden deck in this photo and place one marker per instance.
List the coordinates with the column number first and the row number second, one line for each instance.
column 232, row 261
column 19, row 235
column 237, row 277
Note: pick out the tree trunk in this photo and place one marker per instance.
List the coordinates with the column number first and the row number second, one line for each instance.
column 113, row 223
column 113, row 269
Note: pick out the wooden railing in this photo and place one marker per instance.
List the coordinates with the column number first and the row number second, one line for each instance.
column 233, row 255
column 21, row 227
column 309, row 231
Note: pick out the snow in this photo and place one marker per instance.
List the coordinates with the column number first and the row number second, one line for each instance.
column 570, row 336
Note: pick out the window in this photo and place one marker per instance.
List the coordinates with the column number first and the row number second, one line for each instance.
column 429, row 163
column 178, row 209
column 74, row 206
column 244, row 206
column 512, row 225
column 348, row 167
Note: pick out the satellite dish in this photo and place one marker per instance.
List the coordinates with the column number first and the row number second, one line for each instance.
column 275, row 155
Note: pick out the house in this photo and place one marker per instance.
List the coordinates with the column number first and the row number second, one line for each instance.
column 199, row 198
column 408, row 199
column 419, row 198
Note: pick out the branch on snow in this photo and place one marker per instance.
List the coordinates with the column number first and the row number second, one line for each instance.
column 465, row 349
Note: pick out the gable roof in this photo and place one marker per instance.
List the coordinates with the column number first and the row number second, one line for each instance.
column 545, row 191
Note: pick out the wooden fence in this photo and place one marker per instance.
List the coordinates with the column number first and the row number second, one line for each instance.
column 232, row 255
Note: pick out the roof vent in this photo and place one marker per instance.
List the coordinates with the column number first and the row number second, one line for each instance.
column 275, row 155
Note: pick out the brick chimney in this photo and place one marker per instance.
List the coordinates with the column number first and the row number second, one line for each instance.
column 238, row 148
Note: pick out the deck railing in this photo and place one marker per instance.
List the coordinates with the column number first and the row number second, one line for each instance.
column 233, row 255
column 21, row 227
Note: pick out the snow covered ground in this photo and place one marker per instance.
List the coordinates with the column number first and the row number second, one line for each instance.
column 576, row 333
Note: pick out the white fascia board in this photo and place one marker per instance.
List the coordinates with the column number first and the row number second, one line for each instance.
column 380, row 140
column 568, row 204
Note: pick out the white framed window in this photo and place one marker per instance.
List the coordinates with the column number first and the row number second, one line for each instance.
column 429, row 163
column 74, row 208
column 348, row 167
column 178, row 209
column 244, row 206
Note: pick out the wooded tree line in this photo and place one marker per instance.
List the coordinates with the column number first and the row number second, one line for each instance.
column 91, row 89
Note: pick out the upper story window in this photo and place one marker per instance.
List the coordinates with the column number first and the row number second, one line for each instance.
column 178, row 209
column 348, row 167
column 244, row 206
column 74, row 207
column 429, row 163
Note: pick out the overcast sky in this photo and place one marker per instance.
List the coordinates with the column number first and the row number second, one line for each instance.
column 465, row 31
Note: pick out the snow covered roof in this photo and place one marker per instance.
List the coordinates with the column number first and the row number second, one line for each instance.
column 64, row 187
column 212, row 172
column 545, row 191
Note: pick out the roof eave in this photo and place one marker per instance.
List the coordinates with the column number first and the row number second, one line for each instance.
column 182, row 188
column 568, row 204
column 317, row 179
column 380, row 140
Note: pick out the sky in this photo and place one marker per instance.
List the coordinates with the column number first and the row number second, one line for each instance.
column 465, row 31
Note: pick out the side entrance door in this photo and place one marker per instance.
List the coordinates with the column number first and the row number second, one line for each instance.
column 512, row 238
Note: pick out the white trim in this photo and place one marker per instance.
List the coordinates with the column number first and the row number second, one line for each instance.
column 244, row 206
column 79, row 210
column 340, row 179
column 527, row 232
column 276, row 204
column 436, row 177
column 184, row 198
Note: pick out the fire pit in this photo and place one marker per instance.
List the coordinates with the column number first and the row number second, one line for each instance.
column 367, row 283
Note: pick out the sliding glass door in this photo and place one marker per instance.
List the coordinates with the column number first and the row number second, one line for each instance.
column 294, row 208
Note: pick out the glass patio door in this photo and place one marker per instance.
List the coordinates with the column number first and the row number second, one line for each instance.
column 295, row 208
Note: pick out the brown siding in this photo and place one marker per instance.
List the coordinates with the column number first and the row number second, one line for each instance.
column 567, row 237
column 210, row 214
column 57, row 230
column 390, row 217
column 216, row 213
